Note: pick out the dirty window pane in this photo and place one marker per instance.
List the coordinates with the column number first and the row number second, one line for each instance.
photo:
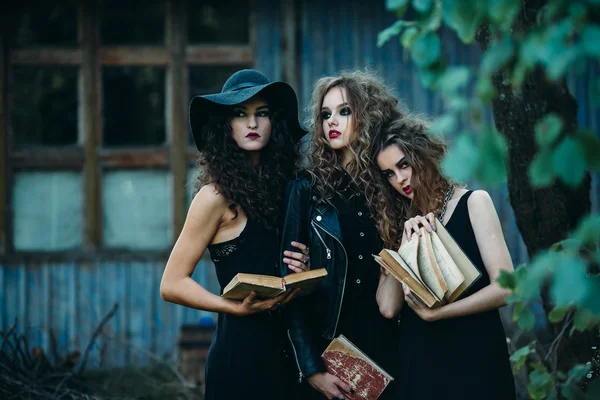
column 219, row 21
column 39, row 23
column 47, row 211
column 131, row 22
column 209, row 79
column 137, row 209
column 44, row 106
column 133, row 106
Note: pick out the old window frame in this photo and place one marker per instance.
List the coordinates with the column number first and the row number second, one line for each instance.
column 176, row 55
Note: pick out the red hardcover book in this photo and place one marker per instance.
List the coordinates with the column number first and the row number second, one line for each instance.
column 344, row 360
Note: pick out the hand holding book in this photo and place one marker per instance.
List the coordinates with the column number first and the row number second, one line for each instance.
column 432, row 265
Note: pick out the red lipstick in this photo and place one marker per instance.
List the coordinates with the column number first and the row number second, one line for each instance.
column 253, row 136
column 407, row 189
column 334, row 134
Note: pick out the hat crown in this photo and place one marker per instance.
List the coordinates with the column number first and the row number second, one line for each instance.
column 244, row 79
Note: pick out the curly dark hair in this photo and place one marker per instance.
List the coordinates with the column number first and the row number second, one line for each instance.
column 257, row 191
column 424, row 153
column 372, row 105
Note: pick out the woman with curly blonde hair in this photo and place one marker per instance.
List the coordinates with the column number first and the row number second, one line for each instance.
column 329, row 209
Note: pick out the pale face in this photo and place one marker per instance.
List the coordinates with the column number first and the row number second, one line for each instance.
column 251, row 125
column 338, row 119
column 397, row 171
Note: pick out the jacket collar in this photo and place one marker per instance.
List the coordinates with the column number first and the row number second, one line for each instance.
column 325, row 215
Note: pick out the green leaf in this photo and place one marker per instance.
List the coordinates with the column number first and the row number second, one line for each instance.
column 430, row 76
column 389, row 32
column 590, row 40
column 520, row 356
column 462, row 159
column 492, row 167
column 540, row 170
column 570, row 284
column 485, row 89
column 409, row 36
column 497, row 56
column 503, row 12
column 568, row 162
column 526, row 319
column 588, row 231
column 433, row 20
column 547, row 130
column 422, row 6
column 539, row 367
column 444, row 125
column 591, row 147
column 540, row 385
column 454, row 79
column 571, row 389
column 426, row 50
column 392, row 5
column 464, row 16
column 558, row 314
column 584, row 320
column 507, row 280
column 530, row 281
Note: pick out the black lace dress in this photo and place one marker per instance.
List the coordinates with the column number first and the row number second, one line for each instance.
column 246, row 359
column 460, row 358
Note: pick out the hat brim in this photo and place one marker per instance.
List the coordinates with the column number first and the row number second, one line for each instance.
column 279, row 93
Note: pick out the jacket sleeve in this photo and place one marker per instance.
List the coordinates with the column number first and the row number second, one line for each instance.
column 300, row 330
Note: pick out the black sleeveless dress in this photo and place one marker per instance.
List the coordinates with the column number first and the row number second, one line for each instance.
column 246, row 359
column 460, row 358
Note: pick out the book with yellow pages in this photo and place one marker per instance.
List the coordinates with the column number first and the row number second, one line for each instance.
column 432, row 265
column 267, row 287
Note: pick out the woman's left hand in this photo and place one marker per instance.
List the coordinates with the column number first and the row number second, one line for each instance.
column 297, row 261
column 426, row 313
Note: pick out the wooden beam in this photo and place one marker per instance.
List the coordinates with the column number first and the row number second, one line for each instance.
column 47, row 56
column 128, row 158
column 89, row 112
column 219, row 54
column 290, row 56
column 48, row 158
column 3, row 148
column 177, row 106
column 131, row 55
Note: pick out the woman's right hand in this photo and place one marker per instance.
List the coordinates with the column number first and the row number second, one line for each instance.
column 252, row 304
column 413, row 225
column 330, row 385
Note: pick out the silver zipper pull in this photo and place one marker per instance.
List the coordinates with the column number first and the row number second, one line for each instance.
column 328, row 254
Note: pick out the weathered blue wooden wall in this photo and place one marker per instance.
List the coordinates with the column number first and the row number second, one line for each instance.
column 71, row 298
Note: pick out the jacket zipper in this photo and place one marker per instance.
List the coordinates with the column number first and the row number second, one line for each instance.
column 345, row 270
column 300, row 375
column 322, row 241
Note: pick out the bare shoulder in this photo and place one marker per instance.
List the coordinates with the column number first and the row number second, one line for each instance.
column 481, row 207
column 479, row 200
column 208, row 200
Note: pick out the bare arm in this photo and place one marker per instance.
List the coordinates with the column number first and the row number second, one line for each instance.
column 495, row 256
column 389, row 296
column 177, row 286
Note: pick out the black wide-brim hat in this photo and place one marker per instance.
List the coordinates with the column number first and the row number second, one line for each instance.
column 240, row 87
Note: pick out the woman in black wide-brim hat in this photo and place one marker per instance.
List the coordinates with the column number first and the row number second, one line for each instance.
column 247, row 138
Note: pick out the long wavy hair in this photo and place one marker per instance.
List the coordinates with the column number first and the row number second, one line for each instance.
column 372, row 105
column 258, row 191
column 424, row 154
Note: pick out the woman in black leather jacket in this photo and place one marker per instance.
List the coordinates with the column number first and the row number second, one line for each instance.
column 328, row 208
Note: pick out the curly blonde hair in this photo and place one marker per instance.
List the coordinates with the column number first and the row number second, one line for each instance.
column 424, row 154
column 373, row 105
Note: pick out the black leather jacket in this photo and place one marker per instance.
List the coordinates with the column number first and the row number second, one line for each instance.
column 316, row 315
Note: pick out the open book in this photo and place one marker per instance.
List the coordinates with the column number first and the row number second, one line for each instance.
column 267, row 287
column 344, row 360
column 432, row 265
